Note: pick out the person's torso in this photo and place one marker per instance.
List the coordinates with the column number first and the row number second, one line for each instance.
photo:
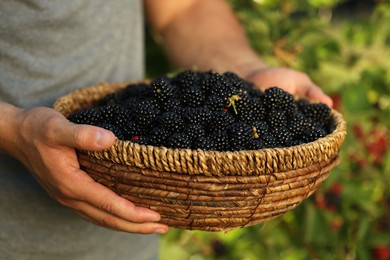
column 48, row 48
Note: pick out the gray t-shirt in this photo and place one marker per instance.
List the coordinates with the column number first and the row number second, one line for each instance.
column 49, row 48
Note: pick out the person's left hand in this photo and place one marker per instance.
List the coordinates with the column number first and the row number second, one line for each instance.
column 292, row 81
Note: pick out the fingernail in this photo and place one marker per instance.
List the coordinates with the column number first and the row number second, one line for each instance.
column 160, row 231
column 103, row 138
column 154, row 217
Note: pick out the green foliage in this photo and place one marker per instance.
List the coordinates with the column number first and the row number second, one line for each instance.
column 349, row 216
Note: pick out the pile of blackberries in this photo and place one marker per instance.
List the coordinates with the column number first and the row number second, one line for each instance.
column 209, row 111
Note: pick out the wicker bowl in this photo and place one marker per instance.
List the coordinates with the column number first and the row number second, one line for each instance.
column 207, row 190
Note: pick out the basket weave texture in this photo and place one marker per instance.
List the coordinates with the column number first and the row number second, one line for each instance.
column 207, row 190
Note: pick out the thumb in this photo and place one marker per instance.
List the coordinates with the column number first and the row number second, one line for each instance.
column 316, row 93
column 86, row 137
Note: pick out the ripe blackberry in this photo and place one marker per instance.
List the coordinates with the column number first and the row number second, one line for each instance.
column 139, row 90
column 277, row 118
column 261, row 128
column 301, row 103
column 215, row 103
column 171, row 121
column 220, row 120
column 194, row 131
column 107, row 114
column 255, row 144
column 162, row 90
column 277, row 98
column 298, row 123
column 185, row 79
column 197, row 116
column 294, row 142
column 114, row 129
column 173, row 102
column 251, row 90
column 282, row 135
column 240, row 134
column 269, row 141
column 193, row 96
column 112, row 99
column 133, row 128
column 157, row 136
column 203, row 143
column 220, row 139
column 146, row 112
column 313, row 134
column 122, row 116
column 179, row 140
column 317, row 112
column 85, row 116
column 217, row 85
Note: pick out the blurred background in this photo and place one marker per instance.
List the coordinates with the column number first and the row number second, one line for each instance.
column 345, row 47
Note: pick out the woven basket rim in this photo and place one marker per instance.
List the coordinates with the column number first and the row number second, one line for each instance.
column 187, row 161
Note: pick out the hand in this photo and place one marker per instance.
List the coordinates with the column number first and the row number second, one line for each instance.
column 292, row 81
column 46, row 145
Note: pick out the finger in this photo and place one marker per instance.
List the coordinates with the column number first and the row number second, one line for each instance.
column 315, row 93
column 104, row 219
column 105, row 199
column 86, row 137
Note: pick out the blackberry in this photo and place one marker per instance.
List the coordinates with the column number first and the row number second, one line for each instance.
column 185, row 79
column 112, row 99
column 122, row 116
column 179, row 140
column 139, row 90
column 277, row 98
column 85, row 116
column 217, row 85
column 193, row 96
column 282, row 135
column 194, row 131
column 259, row 111
column 294, row 142
column 162, row 90
column 114, row 129
column 260, row 128
column 215, row 103
column 171, row 121
column 220, row 120
column 301, row 103
column 133, row 128
column 157, row 136
column 203, row 143
column 239, row 135
column 277, row 118
column 199, row 115
column 220, row 139
column 298, row 124
column 146, row 112
column 255, row 144
column 317, row 112
column 107, row 114
column 173, row 102
column 243, row 103
column 269, row 141
column 251, row 90
column 313, row 134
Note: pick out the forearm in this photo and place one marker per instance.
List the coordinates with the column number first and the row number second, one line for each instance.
column 9, row 127
column 206, row 35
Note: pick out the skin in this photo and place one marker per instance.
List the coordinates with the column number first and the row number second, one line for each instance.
column 44, row 141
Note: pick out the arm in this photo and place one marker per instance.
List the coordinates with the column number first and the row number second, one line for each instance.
column 207, row 35
column 44, row 141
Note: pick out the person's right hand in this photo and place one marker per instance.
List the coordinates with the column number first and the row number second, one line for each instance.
column 45, row 141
